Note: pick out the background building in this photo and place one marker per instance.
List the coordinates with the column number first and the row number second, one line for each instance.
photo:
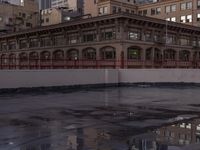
column 17, row 17
column 66, row 11
column 105, row 7
column 182, row 11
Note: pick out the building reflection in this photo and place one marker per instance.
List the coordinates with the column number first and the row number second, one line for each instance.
column 91, row 138
column 164, row 138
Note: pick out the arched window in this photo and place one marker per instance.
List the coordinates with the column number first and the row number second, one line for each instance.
column 89, row 54
column 12, row 59
column 108, row 53
column 4, row 59
column 148, row 54
column 157, row 54
column 134, row 53
column 33, row 56
column 45, row 56
column 58, row 55
column 23, row 57
column 184, row 55
column 73, row 54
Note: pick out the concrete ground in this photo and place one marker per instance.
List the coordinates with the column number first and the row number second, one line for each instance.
column 124, row 118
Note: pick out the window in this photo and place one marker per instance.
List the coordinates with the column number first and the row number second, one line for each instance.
column 173, row 8
column 183, row 6
column 73, row 38
column 148, row 35
column 185, row 41
column 12, row 45
column 189, row 5
column 198, row 4
column 46, row 41
column 173, row 19
column 134, row 35
column 89, row 36
column 34, row 42
column 59, row 40
column 158, row 10
column 108, row 34
column 114, row 9
column 189, row 18
column 153, row 11
column 4, row 46
column 198, row 17
column 47, row 19
column 22, row 44
column 144, row 12
column 103, row 10
column 183, row 19
column 167, row 9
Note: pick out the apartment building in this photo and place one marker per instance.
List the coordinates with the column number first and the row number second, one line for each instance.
column 17, row 17
column 182, row 11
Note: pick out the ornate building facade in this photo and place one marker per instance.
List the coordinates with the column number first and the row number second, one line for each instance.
column 119, row 40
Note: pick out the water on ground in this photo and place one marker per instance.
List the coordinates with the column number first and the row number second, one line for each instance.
column 124, row 118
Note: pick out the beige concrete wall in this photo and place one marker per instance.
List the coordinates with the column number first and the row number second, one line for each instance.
column 159, row 75
column 70, row 77
column 45, row 78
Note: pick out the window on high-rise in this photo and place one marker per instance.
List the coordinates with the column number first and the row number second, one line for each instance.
column 167, row 9
column 183, row 6
column 173, row 19
column 198, row 17
column 189, row 18
column 189, row 5
column 183, row 19
column 158, row 10
column 153, row 11
column 114, row 9
column 198, row 4
column 173, row 8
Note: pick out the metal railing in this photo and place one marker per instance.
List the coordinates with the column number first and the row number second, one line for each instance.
column 93, row 64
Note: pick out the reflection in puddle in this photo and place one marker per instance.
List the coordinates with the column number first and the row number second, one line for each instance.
column 105, row 137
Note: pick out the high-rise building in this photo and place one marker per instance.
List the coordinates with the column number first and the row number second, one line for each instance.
column 44, row 4
column 181, row 11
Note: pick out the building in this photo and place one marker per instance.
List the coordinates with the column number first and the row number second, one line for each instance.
column 17, row 17
column 182, row 11
column 105, row 7
column 44, row 4
column 55, row 15
column 111, row 41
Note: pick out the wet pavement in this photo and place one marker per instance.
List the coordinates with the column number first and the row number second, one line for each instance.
column 124, row 118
